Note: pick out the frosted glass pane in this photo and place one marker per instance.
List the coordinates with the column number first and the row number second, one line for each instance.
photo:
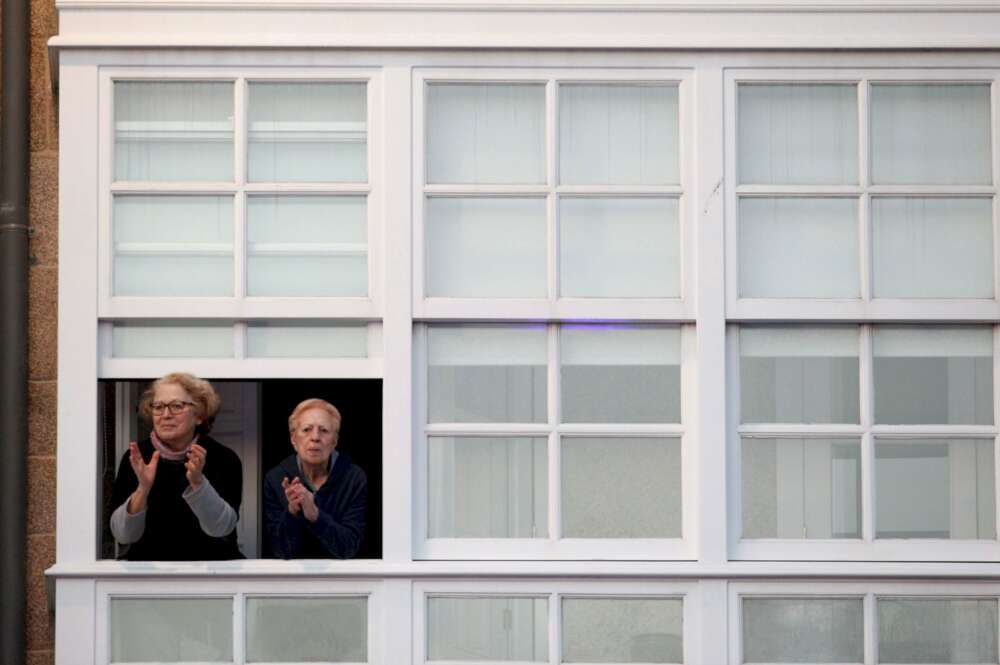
column 923, row 630
column 932, row 247
column 486, row 248
column 307, row 246
column 488, row 487
column 173, row 246
column 934, row 488
column 485, row 133
column 487, row 374
column 306, row 340
column 307, row 132
column 620, row 630
column 930, row 134
column 799, row 374
column 615, row 487
column 801, row 488
column 619, row 248
column 186, row 630
column 487, row 628
column 620, row 374
column 799, row 248
column 803, row 630
column 167, row 340
column 795, row 134
column 172, row 131
column 307, row 630
column 618, row 134
column 933, row 375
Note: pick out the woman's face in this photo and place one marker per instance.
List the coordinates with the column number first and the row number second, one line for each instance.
column 315, row 436
column 176, row 421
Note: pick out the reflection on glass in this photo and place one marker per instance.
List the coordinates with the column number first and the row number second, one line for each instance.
column 496, row 628
column 186, row 630
column 801, row 488
column 307, row 630
column 926, row 630
column 622, row 630
column 488, row 487
column 934, row 488
column 290, row 339
column 486, row 373
column 933, row 375
column 618, row 487
column 803, row 630
column 799, row 374
column 157, row 339
column 620, row 374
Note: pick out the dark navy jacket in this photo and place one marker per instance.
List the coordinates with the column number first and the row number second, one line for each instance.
column 338, row 531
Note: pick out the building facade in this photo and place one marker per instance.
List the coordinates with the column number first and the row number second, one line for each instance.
column 670, row 327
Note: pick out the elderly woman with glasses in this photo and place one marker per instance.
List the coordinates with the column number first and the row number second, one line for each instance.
column 177, row 493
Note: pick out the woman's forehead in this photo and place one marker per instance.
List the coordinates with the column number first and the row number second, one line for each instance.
column 315, row 416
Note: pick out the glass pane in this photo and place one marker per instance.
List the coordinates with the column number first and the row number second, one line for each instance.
column 618, row 134
column 803, row 630
column 487, row 628
column 605, row 479
column 307, row 630
column 799, row 248
column 488, row 487
column 933, row 375
column 934, row 488
column 930, row 133
column 622, row 630
column 619, row 248
column 306, row 340
column 173, row 246
column 186, row 630
column 307, row 246
column 924, row 630
column 493, row 374
column 486, row 248
column 932, row 247
column 307, row 132
column 620, row 374
column 150, row 339
column 801, row 488
column 799, row 374
column 171, row 131
column 798, row 134
column 485, row 133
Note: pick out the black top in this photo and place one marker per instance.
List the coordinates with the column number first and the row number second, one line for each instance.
column 172, row 531
column 338, row 531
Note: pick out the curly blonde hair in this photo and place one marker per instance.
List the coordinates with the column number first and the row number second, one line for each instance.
column 206, row 400
column 314, row 403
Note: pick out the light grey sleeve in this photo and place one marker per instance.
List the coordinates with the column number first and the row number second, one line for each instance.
column 127, row 528
column 216, row 517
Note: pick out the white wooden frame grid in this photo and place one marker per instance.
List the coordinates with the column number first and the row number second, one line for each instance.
column 554, row 546
column 242, row 366
column 866, row 307
column 554, row 592
column 865, row 432
column 870, row 593
column 240, row 305
column 239, row 591
column 554, row 306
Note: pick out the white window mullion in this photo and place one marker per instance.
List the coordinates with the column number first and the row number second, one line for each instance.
column 554, row 382
column 555, row 629
column 870, row 628
column 867, row 397
column 864, row 204
column 239, row 628
column 240, row 340
column 552, row 180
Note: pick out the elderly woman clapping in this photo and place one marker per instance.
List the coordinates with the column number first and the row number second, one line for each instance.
column 177, row 493
column 314, row 501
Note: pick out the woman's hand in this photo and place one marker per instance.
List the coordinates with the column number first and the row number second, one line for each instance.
column 145, row 474
column 301, row 498
column 195, row 465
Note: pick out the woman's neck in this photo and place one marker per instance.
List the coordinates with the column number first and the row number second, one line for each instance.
column 172, row 449
column 316, row 473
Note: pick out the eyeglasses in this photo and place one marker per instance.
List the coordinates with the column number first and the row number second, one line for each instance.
column 174, row 407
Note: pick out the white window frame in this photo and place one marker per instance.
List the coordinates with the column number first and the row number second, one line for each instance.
column 867, row 307
column 869, row 592
column 553, row 306
column 866, row 431
column 555, row 591
column 554, row 546
column 239, row 591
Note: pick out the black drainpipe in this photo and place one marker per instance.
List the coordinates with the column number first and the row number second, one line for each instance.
column 13, row 328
